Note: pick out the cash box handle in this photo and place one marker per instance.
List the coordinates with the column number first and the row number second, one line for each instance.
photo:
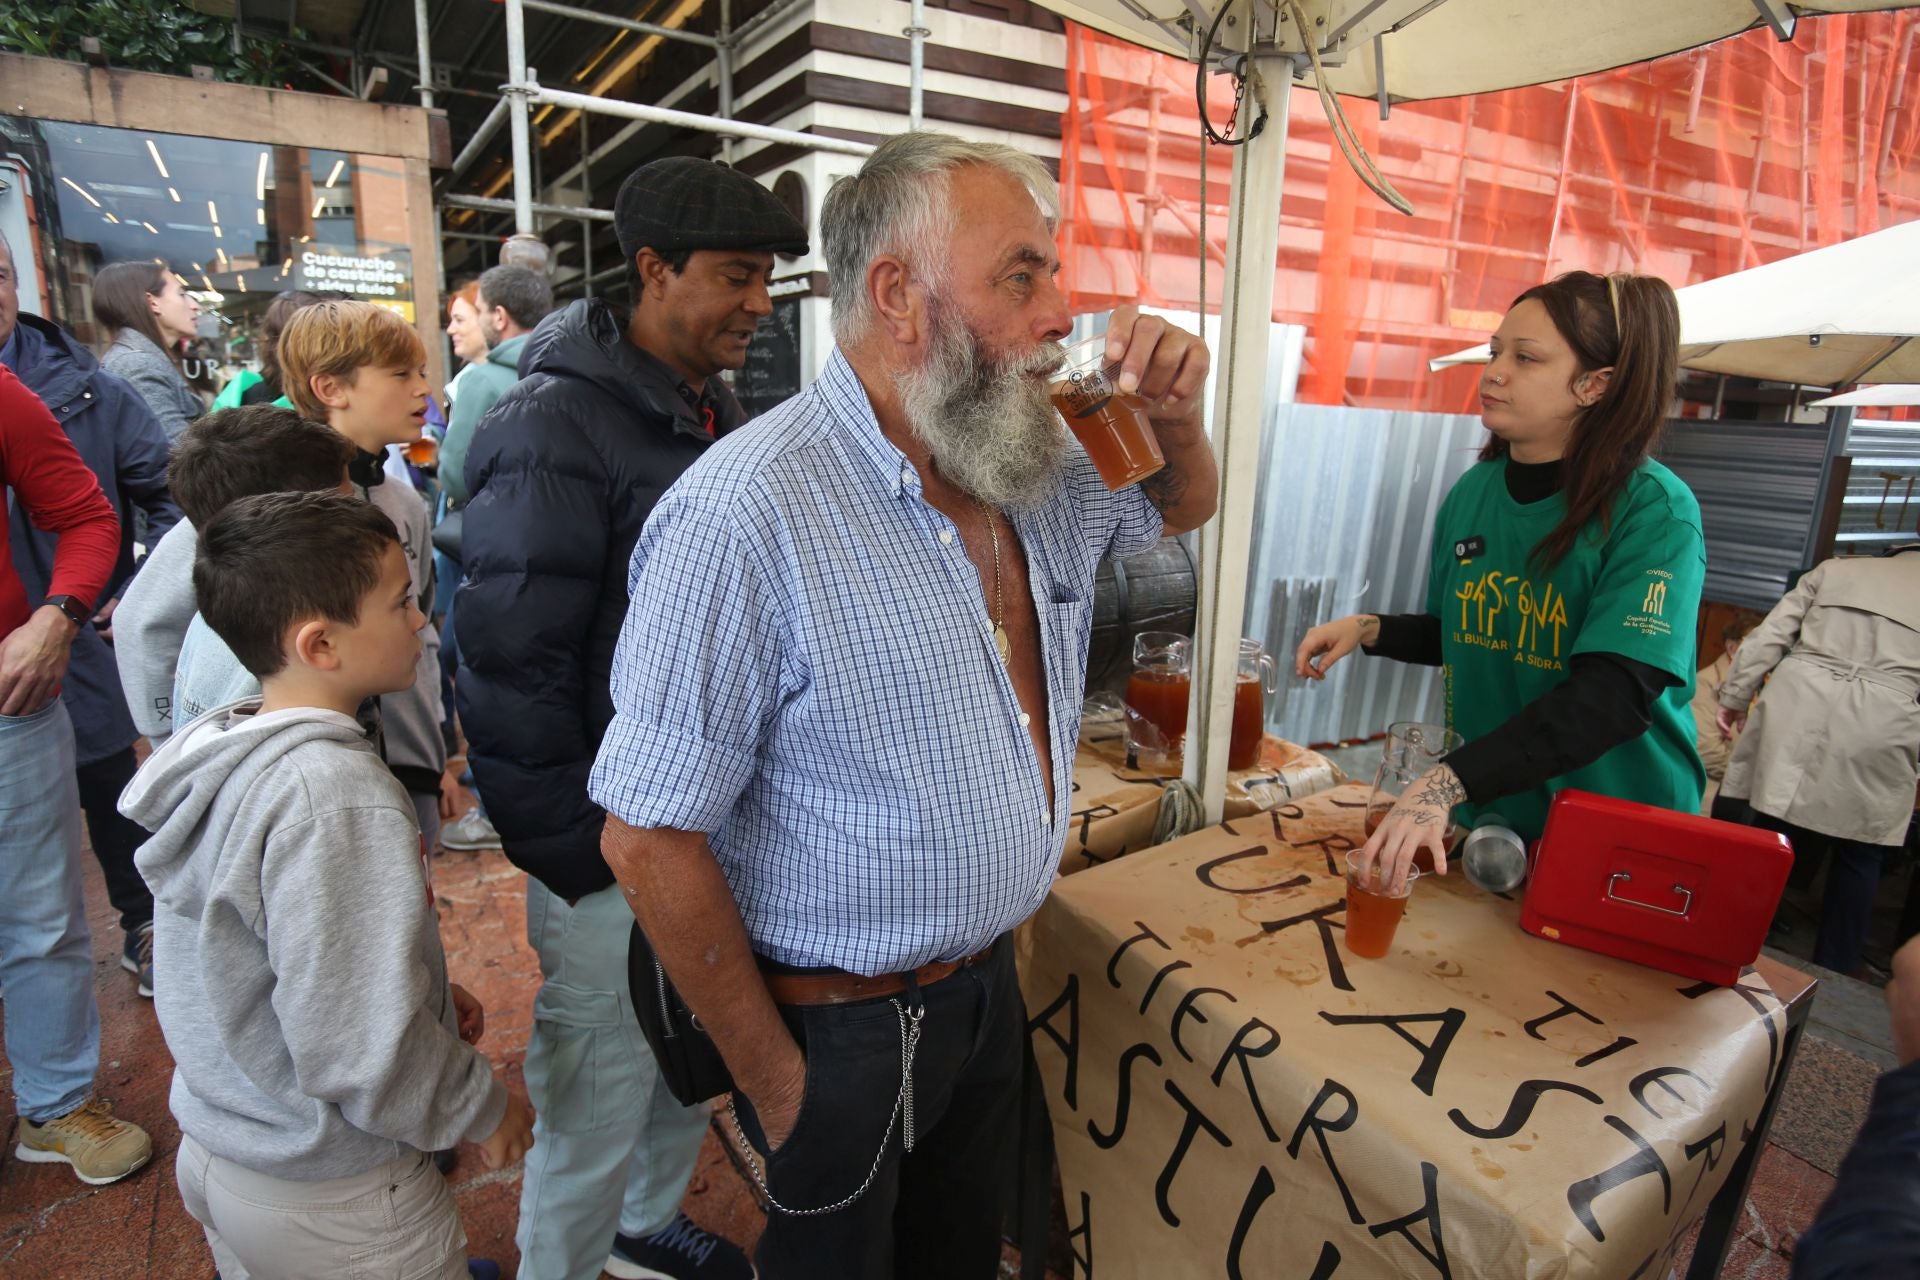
column 1685, row 893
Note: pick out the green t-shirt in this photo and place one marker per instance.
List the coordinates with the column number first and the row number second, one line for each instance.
column 229, row 397
column 1508, row 629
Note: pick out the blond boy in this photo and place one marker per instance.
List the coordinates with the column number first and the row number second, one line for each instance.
column 361, row 369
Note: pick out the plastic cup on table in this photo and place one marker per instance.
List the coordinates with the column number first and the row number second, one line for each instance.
column 1373, row 911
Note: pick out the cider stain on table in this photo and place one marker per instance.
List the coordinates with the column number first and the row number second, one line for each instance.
column 1487, row 1168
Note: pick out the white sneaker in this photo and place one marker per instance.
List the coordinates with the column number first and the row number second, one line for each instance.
column 471, row 831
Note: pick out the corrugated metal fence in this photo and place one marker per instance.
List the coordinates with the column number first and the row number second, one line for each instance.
column 1343, row 520
column 1347, row 499
column 1883, row 490
column 1758, row 484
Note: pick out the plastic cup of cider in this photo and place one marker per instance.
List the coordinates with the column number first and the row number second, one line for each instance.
column 1111, row 425
column 423, row 451
column 1373, row 911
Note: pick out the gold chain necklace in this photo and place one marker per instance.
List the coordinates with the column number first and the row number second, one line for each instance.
column 1000, row 641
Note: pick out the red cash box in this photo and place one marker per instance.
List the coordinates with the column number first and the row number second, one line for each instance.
column 1674, row 891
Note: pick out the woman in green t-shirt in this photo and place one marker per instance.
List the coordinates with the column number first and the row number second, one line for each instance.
column 1564, row 578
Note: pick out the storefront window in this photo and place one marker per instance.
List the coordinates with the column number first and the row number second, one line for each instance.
column 238, row 222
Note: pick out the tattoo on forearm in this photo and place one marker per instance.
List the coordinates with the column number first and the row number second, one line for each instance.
column 1443, row 792
column 1165, row 487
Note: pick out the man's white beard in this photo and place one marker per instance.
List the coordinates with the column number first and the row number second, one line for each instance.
column 989, row 422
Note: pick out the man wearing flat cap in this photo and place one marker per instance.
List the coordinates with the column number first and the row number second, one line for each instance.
column 611, row 408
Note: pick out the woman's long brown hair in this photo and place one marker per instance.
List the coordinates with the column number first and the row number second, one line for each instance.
column 120, row 294
column 1630, row 323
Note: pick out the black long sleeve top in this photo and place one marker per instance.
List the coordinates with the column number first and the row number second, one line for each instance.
column 1605, row 700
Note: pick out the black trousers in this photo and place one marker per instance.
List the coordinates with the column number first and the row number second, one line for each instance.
column 1853, row 878
column 115, row 838
column 935, row 1214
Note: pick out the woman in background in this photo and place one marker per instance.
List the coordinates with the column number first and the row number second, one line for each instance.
column 147, row 315
column 464, row 330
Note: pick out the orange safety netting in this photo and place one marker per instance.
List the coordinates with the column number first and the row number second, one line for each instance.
column 1688, row 167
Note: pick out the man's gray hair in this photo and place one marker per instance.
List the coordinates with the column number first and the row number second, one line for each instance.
column 898, row 203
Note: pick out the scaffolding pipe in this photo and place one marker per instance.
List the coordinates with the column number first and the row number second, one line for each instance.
column 422, row 31
column 628, row 24
column 533, row 92
column 586, row 191
column 519, row 77
column 916, row 34
column 477, row 143
column 488, row 204
column 772, row 13
column 723, row 77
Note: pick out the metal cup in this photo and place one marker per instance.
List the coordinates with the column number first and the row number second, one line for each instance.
column 1494, row 857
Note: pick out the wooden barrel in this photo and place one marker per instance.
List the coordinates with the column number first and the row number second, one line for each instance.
column 1153, row 591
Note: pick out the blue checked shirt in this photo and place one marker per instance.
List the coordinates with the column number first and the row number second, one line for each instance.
column 807, row 674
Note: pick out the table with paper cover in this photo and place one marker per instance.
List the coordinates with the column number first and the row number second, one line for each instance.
column 1117, row 794
column 1232, row 1094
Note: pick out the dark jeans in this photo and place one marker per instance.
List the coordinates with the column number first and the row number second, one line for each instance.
column 115, row 838
column 1853, row 877
column 449, row 664
column 935, row 1214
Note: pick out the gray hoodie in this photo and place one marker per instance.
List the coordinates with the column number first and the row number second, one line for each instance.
column 410, row 719
column 301, row 984
column 170, row 659
column 150, row 625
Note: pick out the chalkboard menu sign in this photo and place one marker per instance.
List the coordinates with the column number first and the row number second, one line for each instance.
column 772, row 371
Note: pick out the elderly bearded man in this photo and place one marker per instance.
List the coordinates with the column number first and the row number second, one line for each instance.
column 829, row 796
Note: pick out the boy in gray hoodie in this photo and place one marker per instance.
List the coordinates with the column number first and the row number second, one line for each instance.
column 228, row 454
column 319, row 1050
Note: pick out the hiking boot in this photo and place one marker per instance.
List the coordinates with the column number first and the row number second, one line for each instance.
column 472, row 831
column 100, row 1148
column 136, row 956
column 678, row 1251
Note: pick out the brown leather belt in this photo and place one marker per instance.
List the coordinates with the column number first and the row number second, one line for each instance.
column 851, row 988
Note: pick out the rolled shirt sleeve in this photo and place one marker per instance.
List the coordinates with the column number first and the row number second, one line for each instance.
column 696, row 674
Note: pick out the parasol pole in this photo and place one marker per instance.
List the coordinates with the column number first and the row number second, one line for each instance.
column 1246, row 308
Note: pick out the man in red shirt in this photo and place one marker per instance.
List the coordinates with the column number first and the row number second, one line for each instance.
column 46, row 953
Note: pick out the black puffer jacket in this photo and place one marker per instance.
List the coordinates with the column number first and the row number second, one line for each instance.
column 1870, row 1225
column 563, row 470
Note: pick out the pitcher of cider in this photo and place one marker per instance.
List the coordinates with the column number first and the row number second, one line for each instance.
column 1158, row 690
column 1257, row 677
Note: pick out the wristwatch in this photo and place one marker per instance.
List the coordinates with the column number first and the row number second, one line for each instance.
column 74, row 607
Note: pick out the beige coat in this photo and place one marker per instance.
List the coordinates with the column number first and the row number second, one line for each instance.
column 1834, row 743
column 1714, row 750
